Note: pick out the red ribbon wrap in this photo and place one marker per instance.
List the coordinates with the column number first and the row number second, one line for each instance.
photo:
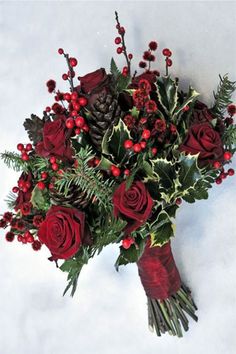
column 158, row 272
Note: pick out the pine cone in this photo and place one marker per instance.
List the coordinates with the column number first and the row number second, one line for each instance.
column 75, row 198
column 105, row 113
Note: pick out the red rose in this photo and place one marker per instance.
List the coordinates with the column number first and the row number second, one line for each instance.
column 95, row 83
column 149, row 76
column 24, row 197
column 203, row 139
column 56, row 140
column 63, row 231
column 134, row 205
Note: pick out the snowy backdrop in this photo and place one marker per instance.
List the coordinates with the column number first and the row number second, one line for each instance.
column 108, row 313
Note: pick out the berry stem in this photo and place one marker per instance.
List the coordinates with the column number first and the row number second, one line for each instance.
column 71, row 72
column 167, row 72
column 123, row 42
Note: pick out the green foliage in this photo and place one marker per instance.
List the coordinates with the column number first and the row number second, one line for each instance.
column 113, row 143
column 121, row 81
column 188, row 101
column 87, row 179
column 14, row 161
column 189, row 171
column 130, row 255
column 161, row 230
column 167, row 90
column 11, row 200
column 73, row 267
column 229, row 138
column 34, row 128
column 223, row 95
column 40, row 199
column 166, row 172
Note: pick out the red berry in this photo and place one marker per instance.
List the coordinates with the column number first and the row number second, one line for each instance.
column 130, row 56
column 67, row 96
column 142, row 64
column 74, row 95
column 121, row 30
column 216, row 164
column 70, row 123
column 79, row 121
column 30, row 239
column 115, row 171
column 128, row 144
column 186, row 108
column 119, row 50
column 25, row 156
column 223, row 175
column 44, row 175
column 55, row 166
column 76, row 106
column 178, row 201
column 117, row 40
column 74, row 113
column 20, row 147
column 24, row 240
column 231, row 172
column 97, row 161
column 166, row 52
column 126, row 172
column 218, row 180
column 83, row 101
column 21, row 183
column 71, row 73
column 143, row 144
column 153, row 45
column 137, row 148
column 77, row 131
column 15, row 189
column 85, row 128
column 19, row 238
column 231, row 109
column 28, row 147
column 146, row 134
column 127, row 242
column 169, row 62
column 227, row 155
column 48, row 109
column 65, row 77
column 10, row 236
column 24, row 189
column 154, row 151
column 28, row 185
column 73, row 62
column 36, row 245
column 41, row 185
column 60, row 51
column 52, row 159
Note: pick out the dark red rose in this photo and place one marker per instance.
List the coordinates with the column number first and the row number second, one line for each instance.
column 56, row 140
column 134, row 205
column 25, row 208
column 63, row 231
column 149, row 76
column 203, row 139
column 95, row 83
column 24, row 197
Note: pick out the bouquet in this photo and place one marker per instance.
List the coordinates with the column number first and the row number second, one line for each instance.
column 110, row 161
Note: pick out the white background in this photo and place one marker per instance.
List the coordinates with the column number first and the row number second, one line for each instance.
column 108, row 313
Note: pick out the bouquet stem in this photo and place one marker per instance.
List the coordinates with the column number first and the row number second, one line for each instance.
column 169, row 300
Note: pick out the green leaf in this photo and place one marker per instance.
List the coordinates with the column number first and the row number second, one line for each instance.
column 114, row 69
column 165, row 171
column 39, row 199
column 191, row 97
column 189, row 171
column 167, row 90
column 130, row 255
column 161, row 230
column 123, row 82
column 113, row 142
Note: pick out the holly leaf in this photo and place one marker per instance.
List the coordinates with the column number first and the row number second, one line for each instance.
column 190, row 98
column 189, row 172
column 161, row 230
column 130, row 255
column 113, row 142
column 34, row 128
column 39, row 199
column 166, row 172
column 167, row 91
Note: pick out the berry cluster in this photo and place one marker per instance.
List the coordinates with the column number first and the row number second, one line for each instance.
column 25, row 150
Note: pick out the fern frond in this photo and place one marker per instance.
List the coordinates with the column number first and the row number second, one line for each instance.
column 223, row 95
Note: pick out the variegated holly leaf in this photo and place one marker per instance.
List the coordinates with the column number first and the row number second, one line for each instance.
column 130, row 255
column 166, row 172
column 167, row 91
column 161, row 230
column 190, row 99
column 189, row 172
column 113, row 142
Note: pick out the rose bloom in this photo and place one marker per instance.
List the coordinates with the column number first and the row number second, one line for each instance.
column 56, row 141
column 149, row 76
column 203, row 139
column 63, row 231
column 133, row 205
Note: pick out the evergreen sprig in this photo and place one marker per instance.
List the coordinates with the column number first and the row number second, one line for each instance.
column 14, row 161
column 87, row 179
column 11, row 200
column 223, row 95
column 229, row 138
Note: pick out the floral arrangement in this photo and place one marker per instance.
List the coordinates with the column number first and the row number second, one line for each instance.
column 110, row 161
